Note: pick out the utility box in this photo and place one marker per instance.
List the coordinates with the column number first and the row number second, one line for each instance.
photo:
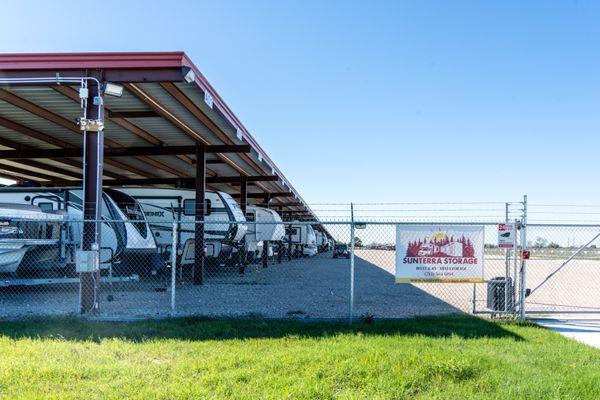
column 500, row 294
column 87, row 261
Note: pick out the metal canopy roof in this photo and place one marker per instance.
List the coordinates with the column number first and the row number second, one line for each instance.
column 158, row 108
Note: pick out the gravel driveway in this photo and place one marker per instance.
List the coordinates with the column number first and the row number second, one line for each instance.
column 316, row 287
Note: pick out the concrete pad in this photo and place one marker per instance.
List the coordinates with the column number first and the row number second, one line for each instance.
column 582, row 330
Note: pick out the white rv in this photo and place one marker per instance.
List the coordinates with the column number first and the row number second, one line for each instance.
column 23, row 227
column 224, row 226
column 125, row 235
column 304, row 237
column 322, row 242
column 267, row 226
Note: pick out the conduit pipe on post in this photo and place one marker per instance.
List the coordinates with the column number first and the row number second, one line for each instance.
column 173, row 267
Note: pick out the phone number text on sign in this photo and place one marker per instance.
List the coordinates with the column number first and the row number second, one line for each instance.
column 432, row 253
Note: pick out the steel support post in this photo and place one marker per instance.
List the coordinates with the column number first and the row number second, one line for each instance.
column 243, row 193
column 289, row 240
column 92, row 199
column 279, row 252
column 280, row 244
column 244, row 205
column 200, row 206
column 265, row 254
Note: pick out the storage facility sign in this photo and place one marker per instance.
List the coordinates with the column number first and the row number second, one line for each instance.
column 432, row 253
column 506, row 236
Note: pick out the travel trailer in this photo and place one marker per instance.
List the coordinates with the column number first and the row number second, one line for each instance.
column 322, row 242
column 125, row 235
column 267, row 227
column 304, row 237
column 22, row 228
column 224, row 228
column 319, row 240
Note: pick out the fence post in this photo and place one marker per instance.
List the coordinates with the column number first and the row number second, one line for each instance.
column 173, row 267
column 507, row 285
column 351, row 305
column 523, row 285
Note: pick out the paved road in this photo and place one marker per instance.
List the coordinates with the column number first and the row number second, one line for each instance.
column 583, row 330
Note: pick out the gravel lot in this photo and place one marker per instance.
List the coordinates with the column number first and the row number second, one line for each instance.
column 316, row 287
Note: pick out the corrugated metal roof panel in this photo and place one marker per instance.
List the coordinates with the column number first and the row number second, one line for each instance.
column 13, row 136
column 29, row 120
column 196, row 95
column 127, row 102
column 170, row 103
column 49, row 99
column 24, row 165
column 163, row 130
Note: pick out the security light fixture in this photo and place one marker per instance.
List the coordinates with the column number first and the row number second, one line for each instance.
column 112, row 89
column 190, row 76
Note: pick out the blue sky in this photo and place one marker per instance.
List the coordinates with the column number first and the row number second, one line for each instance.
column 377, row 101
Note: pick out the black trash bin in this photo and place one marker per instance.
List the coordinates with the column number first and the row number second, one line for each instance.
column 499, row 290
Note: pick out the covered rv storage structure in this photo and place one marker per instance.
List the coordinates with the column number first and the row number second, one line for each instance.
column 114, row 119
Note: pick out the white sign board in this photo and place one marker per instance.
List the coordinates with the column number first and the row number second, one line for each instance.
column 432, row 253
column 506, row 236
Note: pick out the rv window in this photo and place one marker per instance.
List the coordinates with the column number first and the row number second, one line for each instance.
column 250, row 217
column 46, row 207
column 189, row 207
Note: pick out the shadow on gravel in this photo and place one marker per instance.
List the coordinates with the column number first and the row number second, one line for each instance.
column 377, row 293
column 206, row 329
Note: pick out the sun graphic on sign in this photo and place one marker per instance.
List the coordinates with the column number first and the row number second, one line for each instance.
column 439, row 236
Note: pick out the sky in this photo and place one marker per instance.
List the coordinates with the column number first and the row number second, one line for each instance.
column 399, row 101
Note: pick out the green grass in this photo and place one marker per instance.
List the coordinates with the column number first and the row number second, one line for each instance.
column 449, row 357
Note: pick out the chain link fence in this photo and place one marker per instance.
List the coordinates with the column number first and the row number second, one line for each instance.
column 321, row 270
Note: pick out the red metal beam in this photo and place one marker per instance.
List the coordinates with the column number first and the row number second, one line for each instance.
column 180, row 182
column 100, row 60
column 119, row 151
column 262, row 195
column 131, row 114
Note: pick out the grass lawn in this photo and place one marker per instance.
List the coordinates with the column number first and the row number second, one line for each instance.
column 451, row 357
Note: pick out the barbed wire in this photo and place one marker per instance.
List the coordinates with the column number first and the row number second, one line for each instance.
column 411, row 203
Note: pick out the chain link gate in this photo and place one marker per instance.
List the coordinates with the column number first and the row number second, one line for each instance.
column 563, row 273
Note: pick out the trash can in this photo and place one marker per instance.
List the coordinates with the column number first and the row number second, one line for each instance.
column 499, row 292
